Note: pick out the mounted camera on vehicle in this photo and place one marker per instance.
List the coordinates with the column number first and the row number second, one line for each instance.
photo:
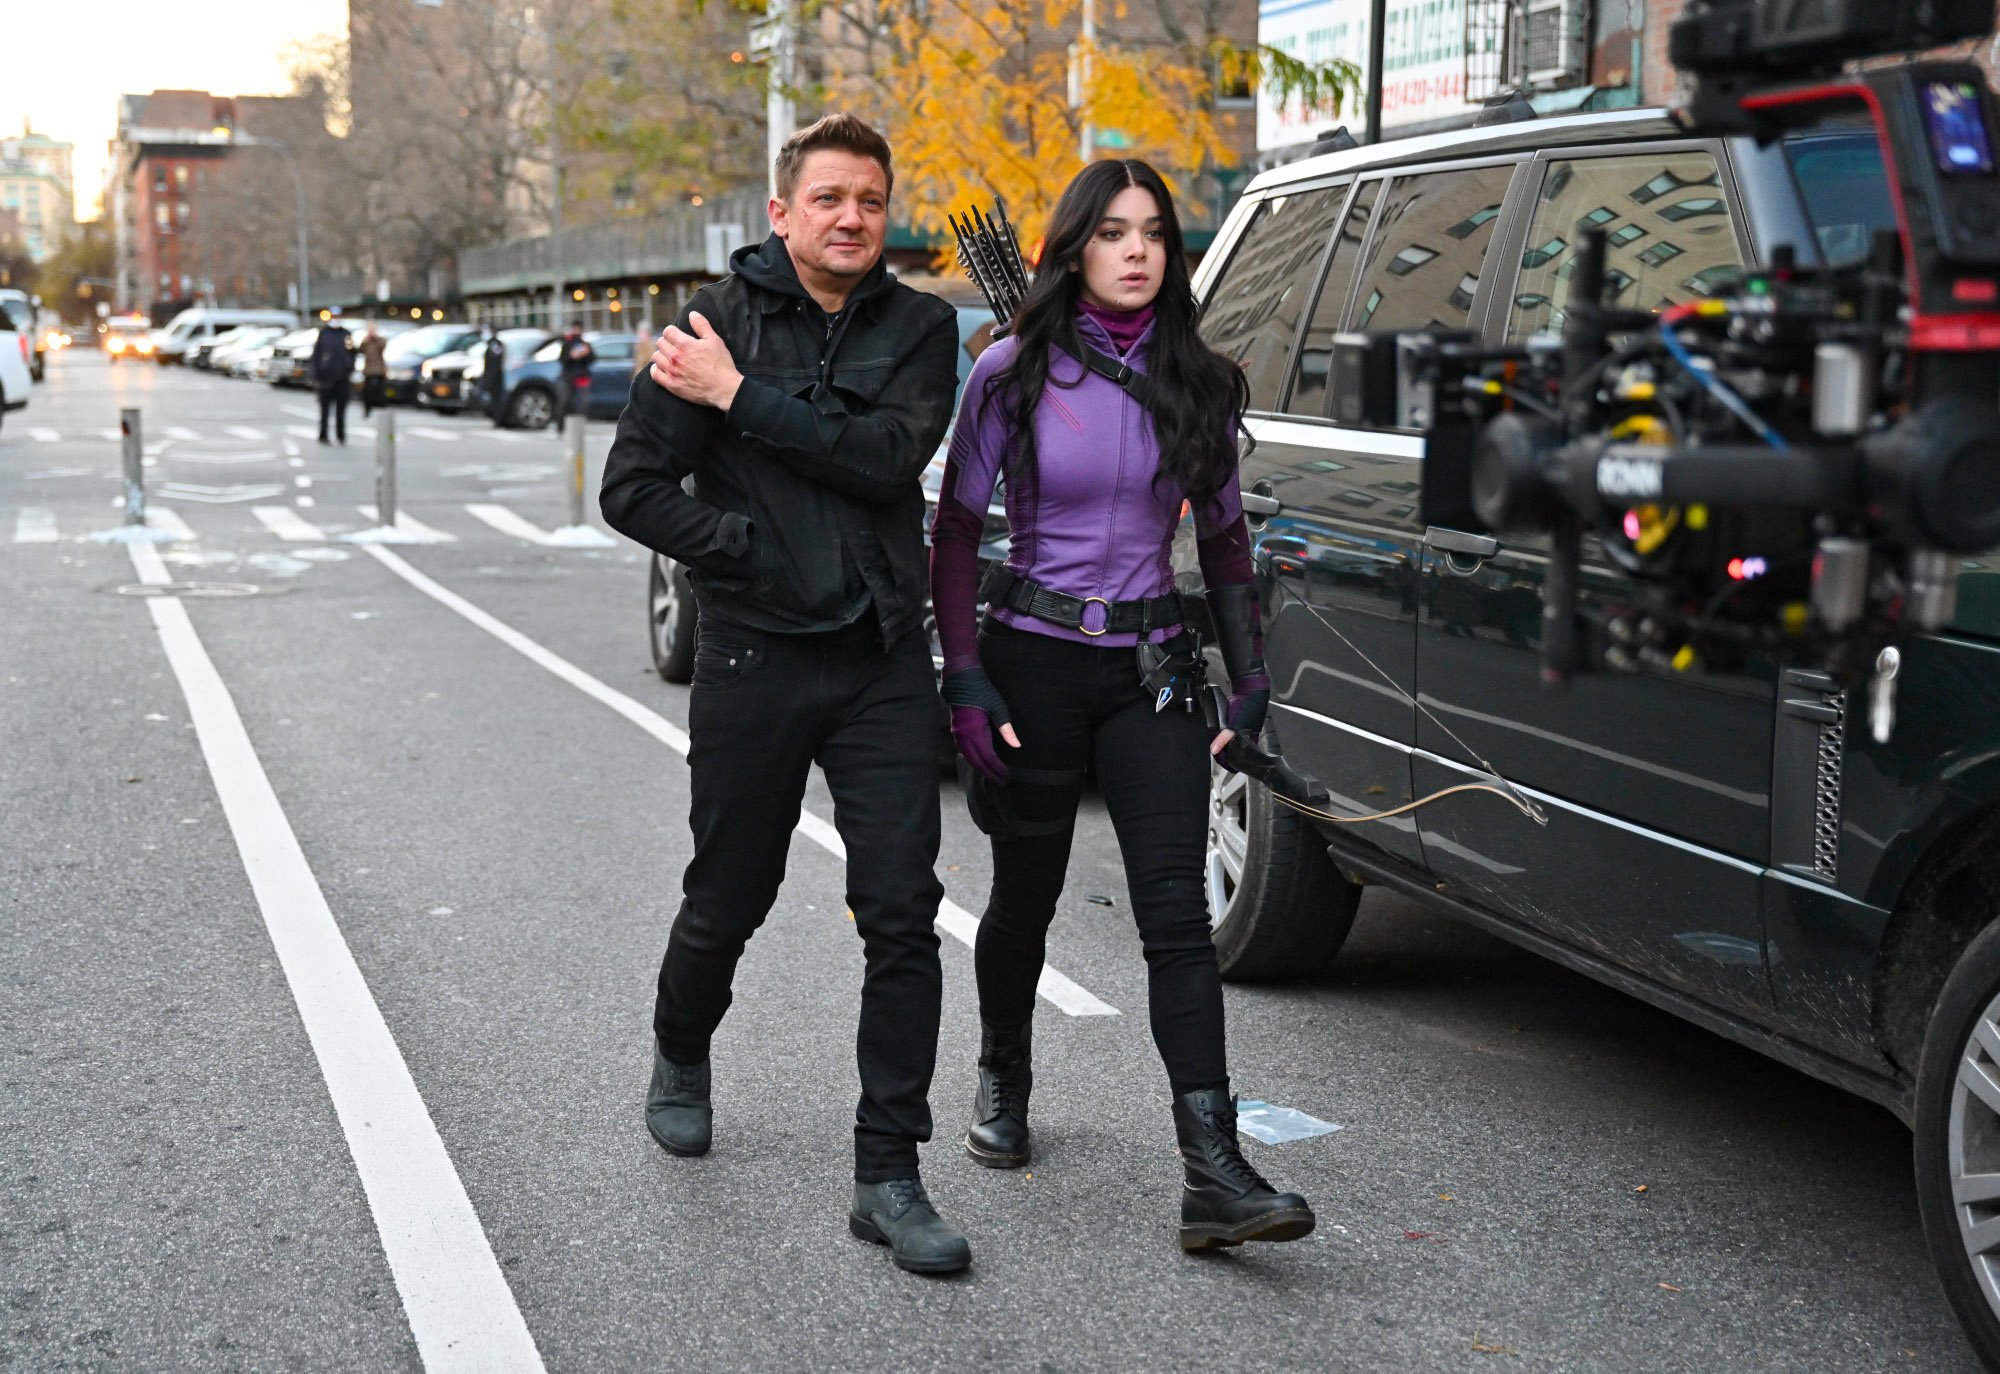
column 1786, row 465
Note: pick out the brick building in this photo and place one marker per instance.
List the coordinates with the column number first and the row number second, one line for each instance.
column 194, row 220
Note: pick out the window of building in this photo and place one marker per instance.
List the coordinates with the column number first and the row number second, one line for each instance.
column 181, row 214
column 1416, row 274
column 1309, row 380
column 161, row 218
column 181, row 176
column 1253, row 310
column 1670, row 248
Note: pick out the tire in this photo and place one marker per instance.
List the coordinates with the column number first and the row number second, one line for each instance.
column 670, row 619
column 1277, row 906
column 531, row 407
column 1958, row 1142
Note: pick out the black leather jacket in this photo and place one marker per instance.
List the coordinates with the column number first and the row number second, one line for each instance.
column 802, row 504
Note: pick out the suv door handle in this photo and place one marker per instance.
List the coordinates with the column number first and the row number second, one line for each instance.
column 1459, row 541
column 1261, row 504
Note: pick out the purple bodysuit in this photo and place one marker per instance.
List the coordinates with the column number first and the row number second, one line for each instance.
column 1091, row 521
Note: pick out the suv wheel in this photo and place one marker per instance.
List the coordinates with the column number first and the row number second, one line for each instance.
column 531, row 407
column 1276, row 904
column 670, row 610
column 1958, row 1142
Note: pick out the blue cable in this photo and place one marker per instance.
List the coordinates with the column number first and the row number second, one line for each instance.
column 1734, row 403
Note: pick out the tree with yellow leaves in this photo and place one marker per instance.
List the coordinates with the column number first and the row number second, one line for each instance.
column 988, row 100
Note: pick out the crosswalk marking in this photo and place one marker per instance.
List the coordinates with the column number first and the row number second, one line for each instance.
column 507, row 522
column 426, row 432
column 246, row 432
column 35, row 525
column 181, row 432
column 409, row 524
column 302, row 431
column 288, row 524
column 111, row 434
column 168, row 521
column 42, row 434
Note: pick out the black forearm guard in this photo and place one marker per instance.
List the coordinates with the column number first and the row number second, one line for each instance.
column 1234, row 610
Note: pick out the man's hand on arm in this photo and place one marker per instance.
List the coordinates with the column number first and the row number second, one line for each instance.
column 696, row 367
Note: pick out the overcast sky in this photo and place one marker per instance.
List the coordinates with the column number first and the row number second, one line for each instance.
column 70, row 60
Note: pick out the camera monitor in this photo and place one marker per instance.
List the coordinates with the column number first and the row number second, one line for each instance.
column 1955, row 117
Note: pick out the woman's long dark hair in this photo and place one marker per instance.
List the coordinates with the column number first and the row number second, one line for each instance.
column 1199, row 394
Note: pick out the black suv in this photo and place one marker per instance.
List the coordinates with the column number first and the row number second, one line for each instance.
column 1734, row 848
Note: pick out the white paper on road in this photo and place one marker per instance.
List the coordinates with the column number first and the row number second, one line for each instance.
column 953, row 920
column 1275, row 1125
column 460, row 1309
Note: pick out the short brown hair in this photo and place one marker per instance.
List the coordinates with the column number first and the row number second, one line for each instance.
column 844, row 132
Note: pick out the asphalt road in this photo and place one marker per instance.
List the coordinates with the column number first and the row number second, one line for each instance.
column 1535, row 1173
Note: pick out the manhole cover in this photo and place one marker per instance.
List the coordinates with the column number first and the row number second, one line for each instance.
column 200, row 591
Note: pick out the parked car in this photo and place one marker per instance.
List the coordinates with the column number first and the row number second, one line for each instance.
column 408, row 352
column 670, row 605
column 200, row 323
column 22, row 312
column 290, row 359
column 221, row 352
column 535, row 383
column 128, row 337
column 466, row 388
column 1725, row 846
column 16, row 376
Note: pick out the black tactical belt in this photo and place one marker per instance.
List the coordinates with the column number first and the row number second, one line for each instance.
column 1091, row 614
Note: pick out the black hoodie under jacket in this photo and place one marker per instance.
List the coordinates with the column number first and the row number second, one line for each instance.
column 803, row 503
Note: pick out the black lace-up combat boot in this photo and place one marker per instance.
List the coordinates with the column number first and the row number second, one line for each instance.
column 677, row 1106
column 900, row 1215
column 998, row 1137
column 1225, row 1201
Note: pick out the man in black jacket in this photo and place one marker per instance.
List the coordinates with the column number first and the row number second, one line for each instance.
column 329, row 370
column 774, row 448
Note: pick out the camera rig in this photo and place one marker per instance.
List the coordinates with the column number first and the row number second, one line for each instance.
column 1788, row 467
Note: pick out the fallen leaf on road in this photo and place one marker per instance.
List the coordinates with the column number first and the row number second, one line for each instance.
column 951, row 868
column 1446, row 1197
column 1490, row 1347
column 1640, row 1189
column 135, row 778
column 1430, row 1236
column 1671, row 1288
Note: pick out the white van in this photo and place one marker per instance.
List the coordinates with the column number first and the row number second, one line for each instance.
column 191, row 326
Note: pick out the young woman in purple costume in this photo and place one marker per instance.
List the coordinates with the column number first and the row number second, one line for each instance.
column 1051, row 681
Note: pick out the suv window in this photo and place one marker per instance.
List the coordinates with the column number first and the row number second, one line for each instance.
column 1422, row 266
column 1667, row 234
column 1254, row 307
column 1845, row 187
column 1316, row 352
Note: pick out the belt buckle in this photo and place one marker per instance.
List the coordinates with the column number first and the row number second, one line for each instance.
column 1105, row 628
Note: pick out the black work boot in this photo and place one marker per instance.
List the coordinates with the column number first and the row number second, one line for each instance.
column 677, row 1108
column 1225, row 1201
column 998, row 1137
column 899, row 1214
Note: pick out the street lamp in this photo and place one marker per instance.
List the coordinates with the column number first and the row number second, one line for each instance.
column 557, row 297
column 298, row 185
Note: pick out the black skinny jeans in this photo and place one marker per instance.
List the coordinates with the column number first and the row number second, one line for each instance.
column 1072, row 704
column 333, row 402
column 764, row 708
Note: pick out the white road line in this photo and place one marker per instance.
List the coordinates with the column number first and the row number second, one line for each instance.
column 181, row 432
column 302, row 431
column 287, row 523
column 304, row 412
column 460, row 1309
column 42, row 434
column 506, row 436
column 168, row 521
column 508, row 523
column 409, row 524
column 246, row 431
column 427, row 432
column 111, row 434
column 35, row 525
column 953, row 920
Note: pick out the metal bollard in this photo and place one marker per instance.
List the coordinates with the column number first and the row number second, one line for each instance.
column 135, row 466
column 385, row 470
column 576, row 469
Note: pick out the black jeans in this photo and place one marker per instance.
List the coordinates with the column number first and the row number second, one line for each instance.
column 763, row 709
column 1074, row 704
column 371, row 394
column 333, row 401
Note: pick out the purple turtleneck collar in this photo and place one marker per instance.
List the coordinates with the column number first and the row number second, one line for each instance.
column 1124, row 326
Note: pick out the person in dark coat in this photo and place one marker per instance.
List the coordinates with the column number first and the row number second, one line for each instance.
column 799, row 399
column 493, row 377
column 330, row 370
column 577, row 356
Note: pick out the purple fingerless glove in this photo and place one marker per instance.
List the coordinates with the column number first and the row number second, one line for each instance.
column 977, row 710
column 1249, row 703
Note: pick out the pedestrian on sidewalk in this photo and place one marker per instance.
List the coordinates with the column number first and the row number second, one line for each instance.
column 1084, row 658
column 331, row 370
column 577, row 356
column 803, row 532
column 374, row 371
